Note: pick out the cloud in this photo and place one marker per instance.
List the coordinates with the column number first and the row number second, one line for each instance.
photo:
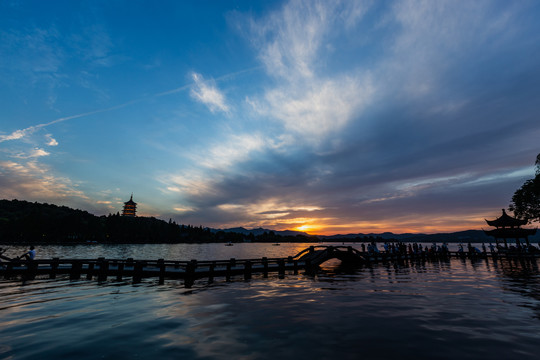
column 181, row 209
column 38, row 153
column 310, row 100
column 17, row 134
column 366, row 115
column 51, row 141
column 36, row 53
column 32, row 180
column 35, row 60
column 22, row 133
column 31, row 154
column 321, row 109
column 229, row 151
column 95, row 44
column 291, row 40
column 423, row 107
column 207, row 93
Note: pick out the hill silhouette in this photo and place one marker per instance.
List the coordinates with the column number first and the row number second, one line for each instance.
column 23, row 222
column 27, row 222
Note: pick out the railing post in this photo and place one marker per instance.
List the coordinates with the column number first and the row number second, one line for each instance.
column 189, row 280
column 120, row 271
column 247, row 270
column 309, row 269
column 90, row 271
column 137, row 272
column 295, row 268
column 161, row 265
column 265, row 266
column 281, row 268
column 76, row 268
column 54, row 268
column 103, row 269
column 31, row 269
column 211, row 272
column 228, row 271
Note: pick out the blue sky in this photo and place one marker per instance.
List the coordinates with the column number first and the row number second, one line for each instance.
column 323, row 116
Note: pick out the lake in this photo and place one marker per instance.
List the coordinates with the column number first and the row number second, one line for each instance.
column 455, row 309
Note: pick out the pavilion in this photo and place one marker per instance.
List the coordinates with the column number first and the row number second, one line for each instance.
column 508, row 227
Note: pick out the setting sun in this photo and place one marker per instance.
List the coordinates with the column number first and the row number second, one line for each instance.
column 307, row 227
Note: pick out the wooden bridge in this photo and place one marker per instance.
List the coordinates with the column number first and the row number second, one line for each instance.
column 307, row 260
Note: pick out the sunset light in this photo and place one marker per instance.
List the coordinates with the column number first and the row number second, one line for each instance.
column 270, row 179
column 323, row 117
column 306, row 228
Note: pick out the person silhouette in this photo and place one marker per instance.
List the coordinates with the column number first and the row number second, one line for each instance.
column 29, row 255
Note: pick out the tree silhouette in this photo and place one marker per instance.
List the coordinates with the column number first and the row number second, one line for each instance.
column 526, row 200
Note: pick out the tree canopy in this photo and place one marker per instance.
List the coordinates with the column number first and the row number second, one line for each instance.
column 526, row 200
column 26, row 222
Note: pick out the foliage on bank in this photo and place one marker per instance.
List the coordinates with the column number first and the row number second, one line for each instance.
column 23, row 222
column 526, row 200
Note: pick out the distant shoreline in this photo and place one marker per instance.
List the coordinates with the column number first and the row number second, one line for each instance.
column 24, row 223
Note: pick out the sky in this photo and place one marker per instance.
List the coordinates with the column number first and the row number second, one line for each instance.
column 328, row 117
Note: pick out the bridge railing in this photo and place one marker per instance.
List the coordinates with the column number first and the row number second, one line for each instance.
column 327, row 247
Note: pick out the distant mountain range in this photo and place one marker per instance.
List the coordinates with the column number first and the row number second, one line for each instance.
column 460, row 236
column 260, row 231
column 26, row 222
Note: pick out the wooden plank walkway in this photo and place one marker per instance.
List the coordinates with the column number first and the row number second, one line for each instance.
column 307, row 260
column 189, row 271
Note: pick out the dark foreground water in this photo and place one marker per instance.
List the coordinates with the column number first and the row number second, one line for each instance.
column 460, row 309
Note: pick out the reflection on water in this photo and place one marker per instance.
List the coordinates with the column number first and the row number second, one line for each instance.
column 445, row 309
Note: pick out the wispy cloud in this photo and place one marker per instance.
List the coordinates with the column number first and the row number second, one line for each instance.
column 35, row 53
column 94, row 44
column 292, row 39
column 19, row 134
column 50, row 140
column 201, row 90
column 294, row 44
column 228, row 151
column 31, row 180
column 391, row 162
column 320, row 109
column 38, row 153
column 207, row 93
column 361, row 114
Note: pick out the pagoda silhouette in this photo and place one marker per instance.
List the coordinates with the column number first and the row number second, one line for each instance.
column 508, row 227
column 130, row 208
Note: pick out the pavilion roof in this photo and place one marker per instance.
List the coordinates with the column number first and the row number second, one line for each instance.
column 506, row 220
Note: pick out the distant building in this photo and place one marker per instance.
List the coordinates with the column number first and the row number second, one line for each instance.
column 130, row 208
column 508, row 227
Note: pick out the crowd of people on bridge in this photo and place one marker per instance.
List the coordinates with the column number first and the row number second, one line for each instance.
column 400, row 248
column 416, row 249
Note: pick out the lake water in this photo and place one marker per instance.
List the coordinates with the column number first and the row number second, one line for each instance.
column 457, row 309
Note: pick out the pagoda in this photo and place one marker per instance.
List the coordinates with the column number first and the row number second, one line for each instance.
column 130, row 207
column 507, row 227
